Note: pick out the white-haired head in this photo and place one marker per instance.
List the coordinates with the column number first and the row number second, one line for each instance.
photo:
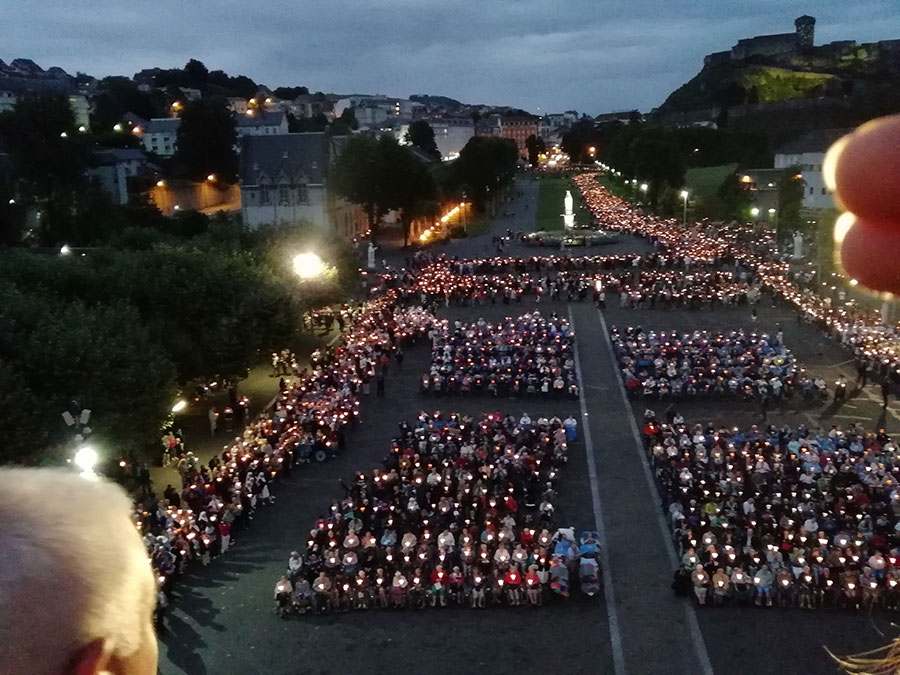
column 75, row 583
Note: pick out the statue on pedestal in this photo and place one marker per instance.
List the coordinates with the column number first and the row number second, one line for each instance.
column 370, row 262
column 798, row 245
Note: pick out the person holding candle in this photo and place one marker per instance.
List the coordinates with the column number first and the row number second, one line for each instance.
column 700, row 580
column 721, row 586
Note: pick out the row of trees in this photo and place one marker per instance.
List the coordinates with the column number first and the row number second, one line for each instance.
column 123, row 328
column 380, row 175
column 661, row 156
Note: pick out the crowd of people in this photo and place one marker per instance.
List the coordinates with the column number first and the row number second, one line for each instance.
column 637, row 288
column 308, row 421
column 786, row 516
column 860, row 331
column 663, row 364
column 461, row 512
column 529, row 355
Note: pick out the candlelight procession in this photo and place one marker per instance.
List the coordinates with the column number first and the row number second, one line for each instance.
column 683, row 426
column 482, row 479
column 519, row 339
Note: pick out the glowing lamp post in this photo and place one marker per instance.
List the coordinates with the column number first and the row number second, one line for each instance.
column 308, row 265
column 86, row 459
column 684, row 197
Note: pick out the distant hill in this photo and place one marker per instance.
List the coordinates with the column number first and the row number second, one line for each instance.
column 430, row 100
column 841, row 83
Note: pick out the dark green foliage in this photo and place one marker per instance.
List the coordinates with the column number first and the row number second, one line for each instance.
column 790, row 199
column 116, row 329
column 535, row 146
column 290, row 93
column 119, row 95
column 344, row 124
column 484, row 166
column 206, row 140
column 317, row 122
column 421, row 135
column 380, row 175
column 98, row 355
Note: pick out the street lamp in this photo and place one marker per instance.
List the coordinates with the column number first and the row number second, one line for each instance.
column 684, row 196
column 754, row 212
column 86, row 459
column 308, row 265
column 773, row 216
column 179, row 406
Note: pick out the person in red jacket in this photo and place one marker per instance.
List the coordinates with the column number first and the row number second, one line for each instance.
column 439, row 580
column 513, row 585
column 224, row 535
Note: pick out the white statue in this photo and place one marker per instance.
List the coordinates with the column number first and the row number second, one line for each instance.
column 568, row 216
column 798, row 245
column 371, row 256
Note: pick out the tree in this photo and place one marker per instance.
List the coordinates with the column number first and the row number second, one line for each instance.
column 197, row 74
column 485, row 164
column 655, row 157
column 206, row 141
column 734, row 199
column 411, row 189
column 53, row 353
column 581, row 135
column 117, row 96
column 791, row 189
column 421, row 135
column 317, row 122
column 50, row 159
column 344, row 124
column 358, row 175
column 535, row 146
column 290, row 93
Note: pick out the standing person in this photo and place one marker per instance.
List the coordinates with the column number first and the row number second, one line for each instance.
column 144, row 480
column 753, row 314
column 862, row 372
column 213, row 420
column 885, row 392
column 379, row 384
column 224, row 535
column 399, row 356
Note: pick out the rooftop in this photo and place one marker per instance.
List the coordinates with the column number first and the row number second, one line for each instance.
column 298, row 157
column 261, row 119
column 818, row 140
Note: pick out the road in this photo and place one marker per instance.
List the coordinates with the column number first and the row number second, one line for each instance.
column 223, row 621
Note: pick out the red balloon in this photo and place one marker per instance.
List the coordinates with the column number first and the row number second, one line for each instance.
column 867, row 171
column 870, row 253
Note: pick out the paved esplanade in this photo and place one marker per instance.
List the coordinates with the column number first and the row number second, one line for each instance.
column 658, row 632
column 222, row 621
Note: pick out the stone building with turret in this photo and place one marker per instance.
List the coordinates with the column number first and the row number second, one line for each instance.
column 770, row 45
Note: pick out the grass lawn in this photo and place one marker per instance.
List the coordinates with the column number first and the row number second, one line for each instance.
column 551, row 193
column 704, row 182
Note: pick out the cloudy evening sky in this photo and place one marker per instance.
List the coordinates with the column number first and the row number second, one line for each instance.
column 541, row 55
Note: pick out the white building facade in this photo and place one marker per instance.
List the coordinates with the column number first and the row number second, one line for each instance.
column 807, row 153
column 160, row 136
